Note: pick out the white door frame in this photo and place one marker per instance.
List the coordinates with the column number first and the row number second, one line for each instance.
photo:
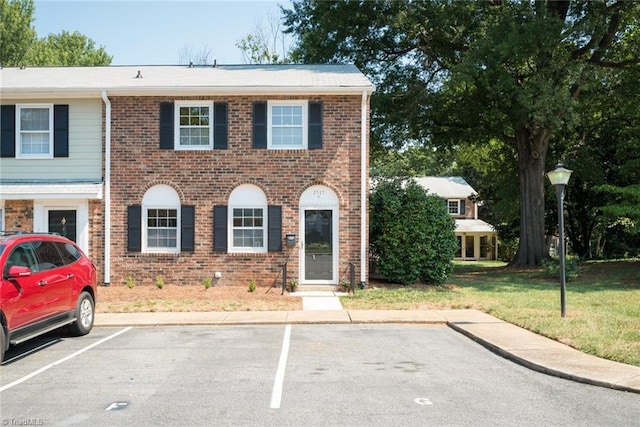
column 41, row 210
column 319, row 197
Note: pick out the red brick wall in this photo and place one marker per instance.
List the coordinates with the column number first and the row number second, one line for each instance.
column 96, row 237
column 18, row 215
column 206, row 178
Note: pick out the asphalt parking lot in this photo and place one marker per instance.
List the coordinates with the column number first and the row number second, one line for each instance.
column 373, row 375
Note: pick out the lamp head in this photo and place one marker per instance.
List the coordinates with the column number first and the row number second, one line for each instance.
column 560, row 175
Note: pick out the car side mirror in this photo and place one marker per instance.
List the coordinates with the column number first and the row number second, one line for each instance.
column 16, row 271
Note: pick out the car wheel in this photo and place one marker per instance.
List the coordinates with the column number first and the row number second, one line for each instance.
column 1, row 343
column 85, row 312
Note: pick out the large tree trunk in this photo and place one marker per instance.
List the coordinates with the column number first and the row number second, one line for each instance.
column 532, row 152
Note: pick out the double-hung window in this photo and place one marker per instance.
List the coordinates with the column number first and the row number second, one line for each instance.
column 248, row 228
column 161, row 220
column 34, row 131
column 193, row 125
column 162, row 229
column 456, row 206
column 248, row 219
column 287, row 124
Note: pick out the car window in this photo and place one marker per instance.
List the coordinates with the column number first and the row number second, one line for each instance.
column 22, row 256
column 68, row 251
column 48, row 255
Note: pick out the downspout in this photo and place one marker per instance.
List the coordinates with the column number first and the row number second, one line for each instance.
column 107, row 189
column 364, row 173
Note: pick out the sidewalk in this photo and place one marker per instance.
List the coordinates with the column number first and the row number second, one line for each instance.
column 512, row 342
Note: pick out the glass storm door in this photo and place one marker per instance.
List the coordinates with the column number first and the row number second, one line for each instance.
column 63, row 222
column 318, row 245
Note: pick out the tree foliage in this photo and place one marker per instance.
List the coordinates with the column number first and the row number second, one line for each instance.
column 266, row 45
column 16, row 31
column 460, row 74
column 20, row 46
column 65, row 50
column 412, row 235
column 412, row 161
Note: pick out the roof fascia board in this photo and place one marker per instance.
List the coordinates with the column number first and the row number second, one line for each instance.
column 177, row 91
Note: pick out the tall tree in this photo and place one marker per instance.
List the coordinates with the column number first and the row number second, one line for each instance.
column 451, row 73
column 20, row 46
column 16, row 31
column 267, row 44
column 66, row 49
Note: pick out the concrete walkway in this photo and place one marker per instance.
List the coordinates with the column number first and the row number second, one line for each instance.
column 510, row 341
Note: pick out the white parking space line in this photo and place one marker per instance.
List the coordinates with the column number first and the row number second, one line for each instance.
column 64, row 359
column 276, row 394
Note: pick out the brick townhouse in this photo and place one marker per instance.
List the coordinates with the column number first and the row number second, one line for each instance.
column 219, row 172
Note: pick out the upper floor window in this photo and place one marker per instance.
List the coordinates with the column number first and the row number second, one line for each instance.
column 34, row 131
column 290, row 124
column 456, row 206
column 194, row 125
column 287, row 124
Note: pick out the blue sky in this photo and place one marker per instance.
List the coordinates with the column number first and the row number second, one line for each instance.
column 155, row 32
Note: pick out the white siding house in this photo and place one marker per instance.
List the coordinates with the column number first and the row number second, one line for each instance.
column 50, row 164
column 477, row 240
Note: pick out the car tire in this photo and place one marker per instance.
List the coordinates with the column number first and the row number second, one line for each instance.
column 85, row 314
column 2, row 344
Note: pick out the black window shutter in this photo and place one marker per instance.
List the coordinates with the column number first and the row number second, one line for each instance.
column 315, row 125
column 60, row 131
column 8, row 131
column 260, row 124
column 187, row 228
column 220, row 126
column 220, row 228
column 275, row 229
column 462, row 207
column 134, row 228
column 166, row 125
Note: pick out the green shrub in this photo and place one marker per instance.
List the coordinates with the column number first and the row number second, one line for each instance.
column 412, row 234
column 159, row 282
column 252, row 286
column 207, row 282
column 130, row 282
column 551, row 267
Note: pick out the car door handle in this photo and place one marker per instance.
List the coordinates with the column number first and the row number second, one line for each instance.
column 42, row 283
column 70, row 276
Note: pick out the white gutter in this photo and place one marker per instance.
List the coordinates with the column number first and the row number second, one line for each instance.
column 364, row 172
column 107, row 189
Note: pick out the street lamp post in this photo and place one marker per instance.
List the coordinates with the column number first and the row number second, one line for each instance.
column 559, row 177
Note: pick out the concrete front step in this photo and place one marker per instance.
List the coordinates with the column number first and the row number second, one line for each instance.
column 318, row 288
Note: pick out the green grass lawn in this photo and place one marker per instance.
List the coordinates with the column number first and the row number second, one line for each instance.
column 602, row 306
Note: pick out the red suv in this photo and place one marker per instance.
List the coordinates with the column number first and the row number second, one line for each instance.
column 47, row 282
